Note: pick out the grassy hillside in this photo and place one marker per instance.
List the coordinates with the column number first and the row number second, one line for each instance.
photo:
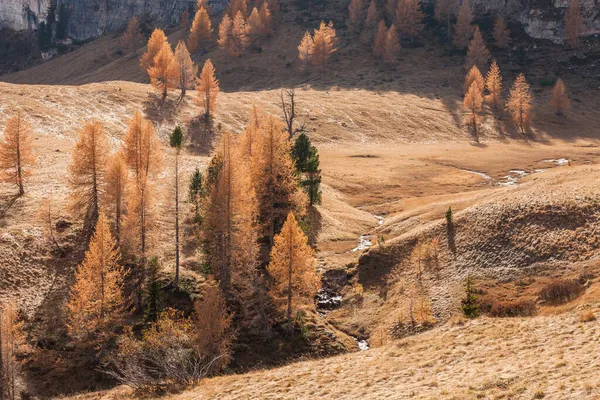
column 395, row 154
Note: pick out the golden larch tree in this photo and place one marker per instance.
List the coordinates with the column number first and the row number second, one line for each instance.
column 16, row 151
column 356, row 15
column 143, row 155
column 474, row 75
column 274, row 178
column 473, row 102
column 187, row 69
column 200, row 32
column 87, row 172
column 324, row 44
column 240, row 38
column 12, row 337
column 266, row 18
column 560, row 99
column 115, row 183
column 207, row 89
column 391, row 48
column 463, row 30
column 132, row 36
column 409, row 18
column 96, row 302
column 230, row 216
column 255, row 26
column 574, row 24
column 155, row 43
column 493, row 84
column 225, row 39
column 390, row 10
column 213, row 327
column 478, row 54
column 380, row 39
column 164, row 73
column 305, row 49
column 501, row 33
column 293, row 269
column 519, row 103
column 372, row 19
column 444, row 11
column 184, row 19
column 237, row 6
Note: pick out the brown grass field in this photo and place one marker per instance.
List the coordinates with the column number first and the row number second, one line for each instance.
column 392, row 143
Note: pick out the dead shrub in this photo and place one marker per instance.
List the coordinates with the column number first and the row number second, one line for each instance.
column 515, row 308
column 560, row 291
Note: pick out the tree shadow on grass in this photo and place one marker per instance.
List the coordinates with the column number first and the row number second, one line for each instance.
column 202, row 135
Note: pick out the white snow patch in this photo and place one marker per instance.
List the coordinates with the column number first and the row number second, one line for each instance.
column 559, row 161
column 365, row 243
column 362, row 345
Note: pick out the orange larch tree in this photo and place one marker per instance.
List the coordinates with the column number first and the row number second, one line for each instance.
column 391, row 47
column 478, row 54
column 305, row 49
column 207, row 89
column 390, row 10
column 266, row 18
column 132, row 36
column 237, row 6
column 184, row 19
column 96, row 300
column 187, row 69
column 501, row 33
column 519, row 103
column 474, row 75
column 231, row 211
column 324, row 44
column 87, row 172
column 293, row 269
column 574, row 24
column 16, row 151
column 380, row 39
column 371, row 20
column 444, row 11
column 274, row 178
column 164, row 73
column 473, row 103
column 116, row 181
column 356, row 15
column 239, row 35
column 493, row 84
column 200, row 32
column 225, row 39
column 463, row 30
column 409, row 18
column 155, row 43
column 560, row 99
column 143, row 155
column 255, row 26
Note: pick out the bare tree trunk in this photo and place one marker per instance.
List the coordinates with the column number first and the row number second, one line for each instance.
column 177, row 216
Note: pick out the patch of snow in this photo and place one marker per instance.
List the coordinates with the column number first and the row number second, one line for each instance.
column 559, row 161
column 379, row 219
column 364, row 243
column 362, row 345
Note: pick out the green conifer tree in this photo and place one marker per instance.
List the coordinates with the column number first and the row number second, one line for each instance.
column 306, row 160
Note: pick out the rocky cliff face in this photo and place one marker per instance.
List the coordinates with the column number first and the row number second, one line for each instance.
column 22, row 14
column 92, row 18
column 542, row 19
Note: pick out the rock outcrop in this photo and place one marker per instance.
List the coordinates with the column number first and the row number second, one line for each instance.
column 541, row 19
